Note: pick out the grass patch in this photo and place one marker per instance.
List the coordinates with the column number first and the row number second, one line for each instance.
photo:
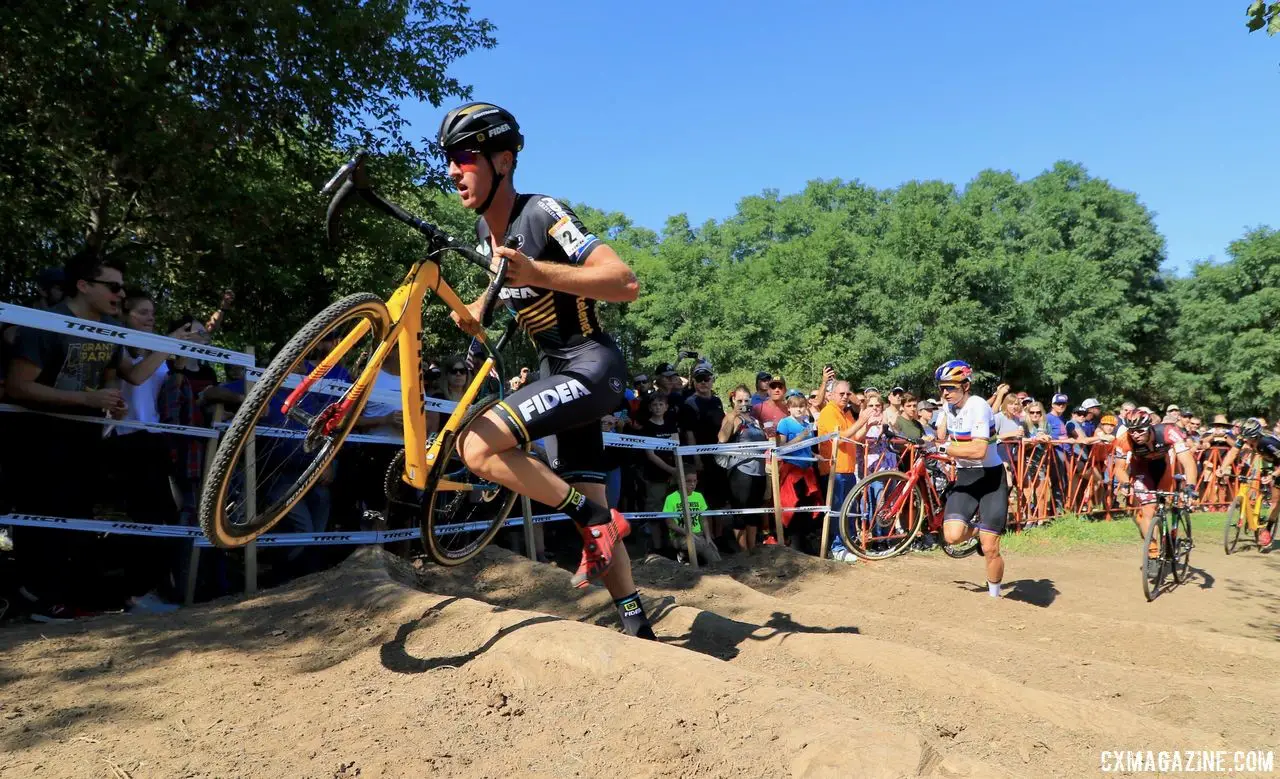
column 1074, row 532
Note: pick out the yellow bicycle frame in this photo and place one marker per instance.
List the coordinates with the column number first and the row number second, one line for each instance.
column 405, row 306
column 1251, row 495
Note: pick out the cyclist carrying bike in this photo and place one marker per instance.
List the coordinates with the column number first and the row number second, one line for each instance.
column 1143, row 465
column 1268, row 446
column 555, row 275
column 978, row 501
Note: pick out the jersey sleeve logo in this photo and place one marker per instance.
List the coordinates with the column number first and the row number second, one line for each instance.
column 552, row 207
column 571, row 239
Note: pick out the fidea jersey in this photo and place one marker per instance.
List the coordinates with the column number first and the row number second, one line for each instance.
column 546, row 230
column 1268, row 446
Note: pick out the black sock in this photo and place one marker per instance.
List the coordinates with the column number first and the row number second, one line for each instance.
column 634, row 622
column 582, row 511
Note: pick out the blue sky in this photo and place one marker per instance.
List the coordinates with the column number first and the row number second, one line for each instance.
column 659, row 108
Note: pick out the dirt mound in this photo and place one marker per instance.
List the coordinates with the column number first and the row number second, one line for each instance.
column 799, row 667
column 350, row 673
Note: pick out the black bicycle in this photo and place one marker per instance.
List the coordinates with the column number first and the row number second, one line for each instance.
column 1170, row 530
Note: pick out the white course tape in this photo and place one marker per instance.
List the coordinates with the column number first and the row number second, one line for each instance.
column 359, row 538
column 803, row 444
column 116, row 333
column 154, row 427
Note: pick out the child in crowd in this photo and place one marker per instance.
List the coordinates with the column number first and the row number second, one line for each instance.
column 705, row 549
column 798, row 485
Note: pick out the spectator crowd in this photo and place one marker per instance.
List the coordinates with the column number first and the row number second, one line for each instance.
column 54, row 465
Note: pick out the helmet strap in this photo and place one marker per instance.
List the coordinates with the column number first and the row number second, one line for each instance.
column 493, row 188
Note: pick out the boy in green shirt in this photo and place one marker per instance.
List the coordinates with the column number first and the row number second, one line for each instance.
column 706, row 551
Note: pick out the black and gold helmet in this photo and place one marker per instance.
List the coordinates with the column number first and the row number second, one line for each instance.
column 480, row 126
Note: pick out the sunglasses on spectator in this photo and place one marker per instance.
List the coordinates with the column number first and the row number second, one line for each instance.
column 1035, row 413
column 458, row 370
column 463, row 157
column 114, row 287
column 701, row 379
column 777, row 385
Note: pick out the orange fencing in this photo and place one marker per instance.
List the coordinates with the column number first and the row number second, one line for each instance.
column 1050, row 479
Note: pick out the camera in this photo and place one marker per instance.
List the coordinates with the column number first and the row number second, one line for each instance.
column 686, row 354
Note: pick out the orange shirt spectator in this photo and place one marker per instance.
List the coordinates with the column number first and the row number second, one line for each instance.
column 834, row 417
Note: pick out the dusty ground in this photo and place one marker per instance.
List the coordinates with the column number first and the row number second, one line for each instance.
column 781, row 665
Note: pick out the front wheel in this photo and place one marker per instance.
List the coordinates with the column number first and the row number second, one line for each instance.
column 461, row 511
column 1153, row 580
column 244, row 495
column 1235, row 524
column 882, row 515
column 1180, row 545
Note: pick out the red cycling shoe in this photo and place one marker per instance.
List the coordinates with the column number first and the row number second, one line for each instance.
column 597, row 548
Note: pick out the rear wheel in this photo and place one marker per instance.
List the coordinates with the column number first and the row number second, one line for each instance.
column 882, row 516
column 1235, row 524
column 461, row 511
column 962, row 549
column 1153, row 580
column 239, row 503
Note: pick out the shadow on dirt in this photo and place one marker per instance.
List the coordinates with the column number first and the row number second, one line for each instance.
column 395, row 658
column 718, row 636
column 1037, row 592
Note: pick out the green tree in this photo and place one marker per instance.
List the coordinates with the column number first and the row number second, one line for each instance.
column 189, row 138
column 1226, row 347
column 1262, row 14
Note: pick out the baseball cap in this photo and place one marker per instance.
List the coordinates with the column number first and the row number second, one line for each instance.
column 776, row 379
column 703, row 372
column 1058, row 399
column 1144, row 409
column 927, row 405
column 869, row 389
column 665, row 369
column 1220, row 419
column 795, row 393
column 1090, row 403
column 898, row 390
column 640, row 378
column 1028, row 400
column 1078, row 410
column 1172, row 407
column 1108, row 419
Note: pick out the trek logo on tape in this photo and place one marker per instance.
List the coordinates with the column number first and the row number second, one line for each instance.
column 207, row 351
column 41, row 518
column 103, row 331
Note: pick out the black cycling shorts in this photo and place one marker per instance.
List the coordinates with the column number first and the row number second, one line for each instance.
column 979, row 498
column 564, row 407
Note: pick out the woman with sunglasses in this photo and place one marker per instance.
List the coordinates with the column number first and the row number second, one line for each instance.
column 555, row 274
column 978, row 502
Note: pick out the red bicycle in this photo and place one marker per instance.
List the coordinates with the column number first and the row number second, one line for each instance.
column 888, row 510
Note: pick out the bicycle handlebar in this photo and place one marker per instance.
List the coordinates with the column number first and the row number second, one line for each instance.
column 354, row 178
